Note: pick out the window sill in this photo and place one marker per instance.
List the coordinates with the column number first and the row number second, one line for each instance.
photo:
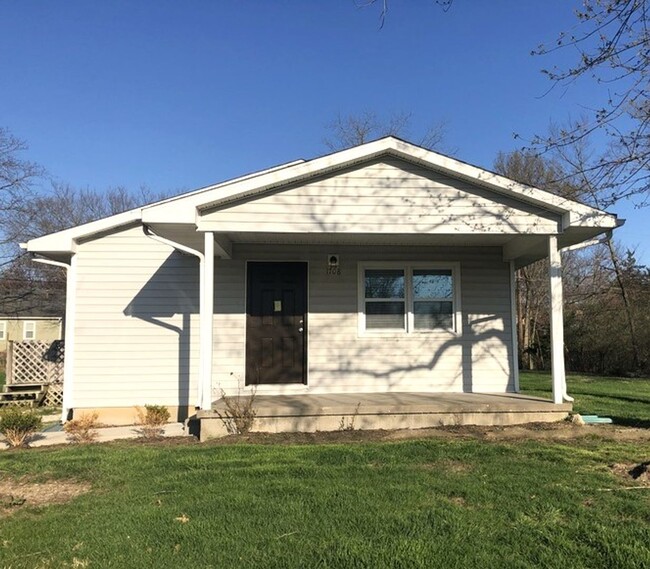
column 405, row 334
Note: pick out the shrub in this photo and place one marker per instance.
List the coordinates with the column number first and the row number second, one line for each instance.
column 239, row 413
column 152, row 420
column 83, row 429
column 18, row 425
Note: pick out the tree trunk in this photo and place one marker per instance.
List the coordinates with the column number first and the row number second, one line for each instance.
column 626, row 305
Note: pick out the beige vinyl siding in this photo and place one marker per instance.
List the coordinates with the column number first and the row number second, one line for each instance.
column 391, row 196
column 136, row 325
column 340, row 359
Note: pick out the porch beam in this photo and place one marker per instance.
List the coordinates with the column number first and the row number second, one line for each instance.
column 520, row 245
column 206, row 322
column 557, row 320
column 222, row 246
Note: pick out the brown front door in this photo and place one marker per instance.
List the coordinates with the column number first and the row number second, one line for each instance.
column 276, row 323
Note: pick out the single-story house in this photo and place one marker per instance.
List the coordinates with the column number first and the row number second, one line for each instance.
column 384, row 268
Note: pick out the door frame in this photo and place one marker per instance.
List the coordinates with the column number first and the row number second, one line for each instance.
column 282, row 386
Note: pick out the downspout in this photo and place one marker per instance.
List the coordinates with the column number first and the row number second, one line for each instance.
column 70, row 313
column 185, row 249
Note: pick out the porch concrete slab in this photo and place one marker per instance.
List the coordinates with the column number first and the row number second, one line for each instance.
column 397, row 403
column 346, row 411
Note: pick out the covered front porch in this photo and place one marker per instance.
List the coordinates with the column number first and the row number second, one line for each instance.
column 350, row 411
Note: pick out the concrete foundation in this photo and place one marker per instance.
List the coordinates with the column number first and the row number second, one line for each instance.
column 310, row 413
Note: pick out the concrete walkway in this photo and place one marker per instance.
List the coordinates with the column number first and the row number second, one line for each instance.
column 104, row 434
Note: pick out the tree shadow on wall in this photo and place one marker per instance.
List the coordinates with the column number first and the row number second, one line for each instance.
column 168, row 300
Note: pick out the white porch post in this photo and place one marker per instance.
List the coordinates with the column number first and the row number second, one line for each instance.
column 513, row 326
column 557, row 320
column 206, row 322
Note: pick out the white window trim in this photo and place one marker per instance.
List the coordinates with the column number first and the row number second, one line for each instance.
column 3, row 330
column 408, row 268
column 25, row 323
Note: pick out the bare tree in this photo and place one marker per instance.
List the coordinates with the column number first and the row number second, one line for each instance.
column 612, row 43
column 24, row 285
column 383, row 4
column 65, row 206
column 351, row 130
column 532, row 281
column 605, row 299
column 17, row 177
column 594, row 191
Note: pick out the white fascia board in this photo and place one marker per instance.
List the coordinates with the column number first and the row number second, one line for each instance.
column 65, row 241
column 299, row 172
column 171, row 211
column 579, row 214
column 190, row 211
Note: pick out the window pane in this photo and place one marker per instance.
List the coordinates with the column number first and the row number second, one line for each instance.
column 432, row 315
column 430, row 283
column 385, row 315
column 384, row 283
column 28, row 330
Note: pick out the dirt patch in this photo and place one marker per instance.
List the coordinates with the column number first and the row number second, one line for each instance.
column 19, row 493
column 458, row 501
column 637, row 474
column 561, row 431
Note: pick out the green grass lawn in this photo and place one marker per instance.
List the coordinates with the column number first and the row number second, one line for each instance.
column 626, row 401
column 427, row 503
column 435, row 502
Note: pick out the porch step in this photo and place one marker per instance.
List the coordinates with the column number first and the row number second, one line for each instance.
column 23, row 394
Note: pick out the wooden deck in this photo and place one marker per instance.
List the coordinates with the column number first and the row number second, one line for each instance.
column 309, row 413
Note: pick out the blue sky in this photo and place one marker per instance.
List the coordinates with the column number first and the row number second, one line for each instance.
column 177, row 95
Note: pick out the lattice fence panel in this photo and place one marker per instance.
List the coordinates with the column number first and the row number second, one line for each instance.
column 54, row 395
column 36, row 361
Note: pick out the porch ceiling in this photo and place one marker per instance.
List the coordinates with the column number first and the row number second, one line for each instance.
column 416, row 239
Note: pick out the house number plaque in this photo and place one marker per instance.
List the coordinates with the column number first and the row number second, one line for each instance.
column 277, row 306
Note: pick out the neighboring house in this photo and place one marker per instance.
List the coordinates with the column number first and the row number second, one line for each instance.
column 382, row 268
column 28, row 312
column 19, row 328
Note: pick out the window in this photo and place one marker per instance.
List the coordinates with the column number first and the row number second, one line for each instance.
column 385, row 299
column 29, row 330
column 3, row 330
column 433, row 294
column 408, row 298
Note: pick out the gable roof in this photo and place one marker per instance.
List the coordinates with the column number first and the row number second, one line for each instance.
column 188, row 208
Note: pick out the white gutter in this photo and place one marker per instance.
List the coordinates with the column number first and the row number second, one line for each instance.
column 70, row 316
column 202, row 305
column 589, row 242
